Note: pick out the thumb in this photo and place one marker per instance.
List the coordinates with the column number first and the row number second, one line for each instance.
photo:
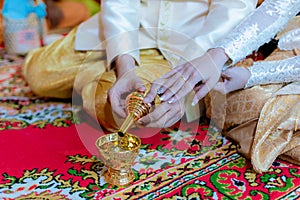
column 139, row 86
column 221, row 87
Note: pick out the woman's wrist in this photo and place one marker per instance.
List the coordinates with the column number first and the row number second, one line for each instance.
column 219, row 56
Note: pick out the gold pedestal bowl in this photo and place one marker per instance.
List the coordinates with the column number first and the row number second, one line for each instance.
column 118, row 161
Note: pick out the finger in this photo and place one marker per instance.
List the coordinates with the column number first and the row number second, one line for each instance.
column 155, row 115
column 184, row 90
column 220, row 87
column 230, row 86
column 150, row 96
column 198, row 86
column 173, row 85
column 176, row 82
column 226, row 74
column 202, row 92
column 168, row 118
column 162, row 87
column 162, row 122
column 172, row 72
column 141, row 88
column 174, row 115
column 196, row 90
column 117, row 104
column 139, row 85
column 188, row 86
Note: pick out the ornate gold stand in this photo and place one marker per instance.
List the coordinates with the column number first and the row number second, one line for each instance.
column 118, row 160
column 119, row 150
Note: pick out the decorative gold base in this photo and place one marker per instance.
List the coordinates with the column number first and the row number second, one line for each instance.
column 119, row 178
column 118, row 160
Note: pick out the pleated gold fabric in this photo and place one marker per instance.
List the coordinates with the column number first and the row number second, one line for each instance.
column 57, row 69
column 51, row 70
column 263, row 120
column 271, row 139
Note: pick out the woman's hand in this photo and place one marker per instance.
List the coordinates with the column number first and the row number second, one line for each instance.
column 200, row 74
column 234, row 78
column 164, row 115
column 127, row 82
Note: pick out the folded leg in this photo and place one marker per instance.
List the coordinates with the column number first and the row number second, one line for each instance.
column 51, row 70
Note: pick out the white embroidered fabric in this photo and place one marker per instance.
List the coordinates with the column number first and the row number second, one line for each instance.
column 290, row 40
column 279, row 71
column 258, row 28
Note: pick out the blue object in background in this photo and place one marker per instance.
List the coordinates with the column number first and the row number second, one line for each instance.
column 20, row 9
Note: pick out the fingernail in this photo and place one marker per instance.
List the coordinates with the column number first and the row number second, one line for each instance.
column 162, row 97
column 171, row 100
column 142, row 89
column 194, row 103
column 140, row 122
column 159, row 91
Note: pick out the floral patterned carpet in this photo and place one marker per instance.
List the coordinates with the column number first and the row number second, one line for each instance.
column 47, row 152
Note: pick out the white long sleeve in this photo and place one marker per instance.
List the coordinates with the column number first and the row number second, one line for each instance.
column 258, row 28
column 222, row 17
column 278, row 71
column 120, row 21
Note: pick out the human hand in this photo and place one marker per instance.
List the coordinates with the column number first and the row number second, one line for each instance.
column 163, row 115
column 234, row 78
column 201, row 74
column 127, row 82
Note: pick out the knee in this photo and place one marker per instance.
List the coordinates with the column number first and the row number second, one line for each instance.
column 31, row 72
column 96, row 104
column 41, row 79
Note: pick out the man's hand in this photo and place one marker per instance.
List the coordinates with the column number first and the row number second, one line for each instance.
column 127, row 82
column 164, row 115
